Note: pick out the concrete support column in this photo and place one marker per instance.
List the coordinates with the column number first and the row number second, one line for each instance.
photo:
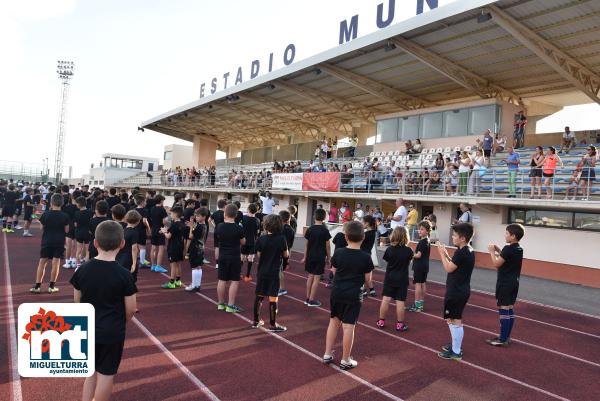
column 304, row 217
column 234, row 151
column 204, row 152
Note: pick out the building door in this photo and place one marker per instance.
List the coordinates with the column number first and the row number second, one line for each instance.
column 150, row 166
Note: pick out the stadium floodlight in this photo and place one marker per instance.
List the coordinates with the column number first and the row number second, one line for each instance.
column 65, row 73
column 483, row 17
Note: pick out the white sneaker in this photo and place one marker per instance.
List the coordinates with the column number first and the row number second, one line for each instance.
column 18, row 227
column 349, row 364
column 67, row 265
column 216, row 266
column 206, row 261
column 27, row 234
column 191, row 288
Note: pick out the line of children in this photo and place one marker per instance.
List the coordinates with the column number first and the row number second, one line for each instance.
column 317, row 253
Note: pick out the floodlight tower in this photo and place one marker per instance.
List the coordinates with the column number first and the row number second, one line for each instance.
column 65, row 73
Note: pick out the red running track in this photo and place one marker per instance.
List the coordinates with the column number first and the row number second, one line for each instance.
column 180, row 348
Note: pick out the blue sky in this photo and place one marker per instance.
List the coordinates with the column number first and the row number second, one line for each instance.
column 136, row 59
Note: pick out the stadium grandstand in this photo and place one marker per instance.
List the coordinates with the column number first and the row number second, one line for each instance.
column 424, row 89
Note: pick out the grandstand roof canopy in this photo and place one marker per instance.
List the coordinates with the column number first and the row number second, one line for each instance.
column 544, row 51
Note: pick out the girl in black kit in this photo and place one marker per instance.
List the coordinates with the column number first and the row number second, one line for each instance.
column 195, row 247
column 367, row 246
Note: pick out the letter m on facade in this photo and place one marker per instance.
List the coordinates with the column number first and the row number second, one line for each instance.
column 348, row 33
column 430, row 3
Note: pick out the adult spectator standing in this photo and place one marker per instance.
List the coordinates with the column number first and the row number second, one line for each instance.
column 519, row 134
column 359, row 213
column 488, row 144
column 479, row 162
column 353, row 145
column 512, row 161
column 267, row 203
column 588, row 173
column 412, row 219
column 465, row 214
column 568, row 141
column 333, row 213
column 345, row 213
column 399, row 217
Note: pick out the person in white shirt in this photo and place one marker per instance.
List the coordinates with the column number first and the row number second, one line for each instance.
column 399, row 217
column 267, row 203
column 568, row 141
column 359, row 213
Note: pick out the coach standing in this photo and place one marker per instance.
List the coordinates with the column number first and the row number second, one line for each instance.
column 399, row 217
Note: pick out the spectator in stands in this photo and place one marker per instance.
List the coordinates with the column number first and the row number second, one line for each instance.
column 478, row 169
column 499, row 143
column 451, row 179
column 334, row 147
column 377, row 214
column 439, row 163
column 466, row 216
column 574, row 183
column 318, row 152
column 535, row 173
column 464, row 168
column 409, row 149
column 519, row 133
column 345, row 213
column 359, row 213
column 549, row 169
column 512, row 162
column 333, row 213
column 422, row 179
column 488, row 145
column 329, row 148
column 417, row 147
column 433, row 182
column 398, row 219
column 324, row 149
column 367, row 164
column 568, row 141
column 412, row 218
column 588, row 171
column 353, row 145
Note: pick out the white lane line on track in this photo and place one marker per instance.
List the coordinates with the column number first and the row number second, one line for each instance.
column 15, row 378
column 562, row 354
column 197, row 382
column 308, row 353
column 481, row 368
column 520, row 300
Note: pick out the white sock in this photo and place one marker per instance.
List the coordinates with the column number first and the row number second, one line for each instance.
column 196, row 278
column 142, row 255
column 457, row 333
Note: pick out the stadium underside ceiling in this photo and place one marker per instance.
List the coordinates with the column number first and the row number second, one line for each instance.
column 545, row 51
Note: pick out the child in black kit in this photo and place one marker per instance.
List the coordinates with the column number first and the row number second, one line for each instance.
column 317, row 253
column 28, row 206
column 55, row 225
column 395, row 285
column 351, row 268
column 230, row 237
column 158, row 216
column 128, row 255
column 367, row 246
column 83, row 218
column 339, row 241
column 143, row 228
column 100, row 216
column 508, row 261
column 195, row 246
column 271, row 249
column 289, row 234
column 103, row 283
column 458, row 286
column 251, row 226
column 175, row 235
column 421, row 266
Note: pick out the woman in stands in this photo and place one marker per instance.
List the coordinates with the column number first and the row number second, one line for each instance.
column 478, row 163
column 464, row 168
column 418, row 148
column 588, row 171
column 334, row 146
column 536, row 163
column 333, row 213
column 549, row 169
column 439, row 163
column 499, row 143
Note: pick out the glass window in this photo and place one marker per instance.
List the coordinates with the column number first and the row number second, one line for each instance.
column 409, row 128
column 456, row 122
column 387, row 130
column 517, row 216
column 548, row 218
column 430, row 125
column 587, row 221
column 482, row 118
column 113, row 162
column 168, row 155
column 138, row 164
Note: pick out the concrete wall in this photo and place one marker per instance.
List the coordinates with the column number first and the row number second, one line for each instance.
column 204, row 152
column 181, row 155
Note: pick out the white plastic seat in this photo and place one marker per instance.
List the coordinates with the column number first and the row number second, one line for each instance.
column 457, row 148
column 390, row 153
column 424, row 151
column 432, row 150
column 429, row 157
column 394, row 158
column 439, row 150
column 396, row 153
column 371, row 154
column 447, row 150
column 468, row 148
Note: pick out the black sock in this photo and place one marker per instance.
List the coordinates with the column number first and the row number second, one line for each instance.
column 257, row 304
column 38, row 285
column 172, row 280
column 273, row 313
column 249, row 268
column 51, row 284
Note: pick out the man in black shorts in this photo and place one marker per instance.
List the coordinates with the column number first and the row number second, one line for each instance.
column 230, row 237
column 215, row 219
column 508, row 261
column 458, row 286
column 158, row 214
column 351, row 268
column 103, row 283
column 317, row 252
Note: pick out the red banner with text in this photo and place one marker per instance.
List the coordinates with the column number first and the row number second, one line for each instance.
column 324, row 182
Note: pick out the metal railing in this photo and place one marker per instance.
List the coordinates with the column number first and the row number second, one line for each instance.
column 497, row 182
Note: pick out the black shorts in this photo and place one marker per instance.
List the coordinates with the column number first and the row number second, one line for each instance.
column 248, row 250
column 8, row 211
column 51, row 252
column 142, row 238
column 70, row 234
column 215, row 239
column 420, row 276
column 316, row 267
column 267, row 286
column 176, row 256
column 396, row 292
column 548, row 175
column 157, row 239
column 230, row 269
column 535, row 172
column 346, row 312
column 285, row 264
column 83, row 236
column 453, row 307
column 506, row 294
column 108, row 358
column 27, row 215
column 487, row 152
